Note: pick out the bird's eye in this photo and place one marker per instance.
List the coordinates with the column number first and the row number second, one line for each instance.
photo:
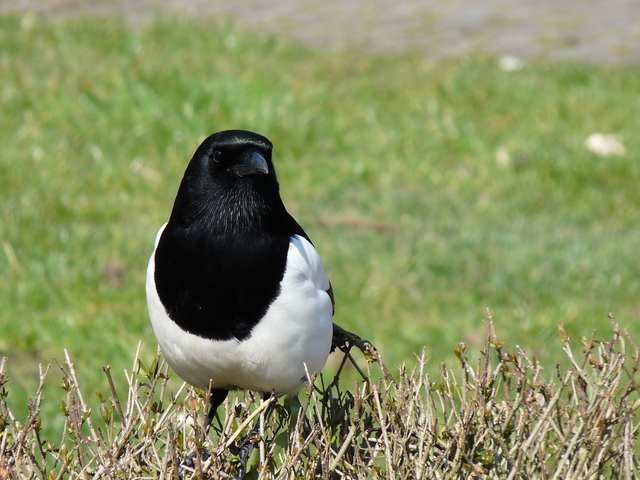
column 216, row 155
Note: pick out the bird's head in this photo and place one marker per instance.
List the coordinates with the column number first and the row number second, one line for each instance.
column 230, row 172
column 235, row 153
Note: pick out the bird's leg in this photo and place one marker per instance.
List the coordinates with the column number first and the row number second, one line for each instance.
column 345, row 341
column 244, row 448
column 216, row 397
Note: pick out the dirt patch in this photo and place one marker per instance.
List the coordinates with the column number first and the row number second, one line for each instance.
column 598, row 31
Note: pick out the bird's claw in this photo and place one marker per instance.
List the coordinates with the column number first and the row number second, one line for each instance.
column 344, row 341
column 244, row 449
column 190, row 462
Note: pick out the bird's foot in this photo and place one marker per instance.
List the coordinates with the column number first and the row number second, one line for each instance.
column 345, row 341
column 189, row 464
column 244, row 449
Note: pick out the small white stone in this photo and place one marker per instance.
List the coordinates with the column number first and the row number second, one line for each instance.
column 509, row 63
column 503, row 158
column 604, row 145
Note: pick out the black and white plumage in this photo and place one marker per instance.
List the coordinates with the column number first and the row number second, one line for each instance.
column 237, row 293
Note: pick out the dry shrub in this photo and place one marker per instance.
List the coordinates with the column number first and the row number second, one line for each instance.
column 501, row 417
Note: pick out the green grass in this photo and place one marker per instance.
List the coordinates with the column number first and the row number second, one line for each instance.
column 387, row 161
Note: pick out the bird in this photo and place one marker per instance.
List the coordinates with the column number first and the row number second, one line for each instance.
column 237, row 293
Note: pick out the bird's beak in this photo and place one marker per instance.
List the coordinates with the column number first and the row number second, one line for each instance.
column 251, row 164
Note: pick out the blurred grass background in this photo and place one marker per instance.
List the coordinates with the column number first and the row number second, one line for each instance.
column 433, row 190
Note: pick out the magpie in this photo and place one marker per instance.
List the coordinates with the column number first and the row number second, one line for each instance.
column 237, row 293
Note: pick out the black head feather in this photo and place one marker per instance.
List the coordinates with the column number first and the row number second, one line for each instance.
column 212, row 181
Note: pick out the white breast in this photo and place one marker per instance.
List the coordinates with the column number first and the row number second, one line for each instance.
column 296, row 331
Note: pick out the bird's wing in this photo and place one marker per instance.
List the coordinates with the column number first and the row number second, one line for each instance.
column 298, row 230
column 333, row 301
column 307, row 260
